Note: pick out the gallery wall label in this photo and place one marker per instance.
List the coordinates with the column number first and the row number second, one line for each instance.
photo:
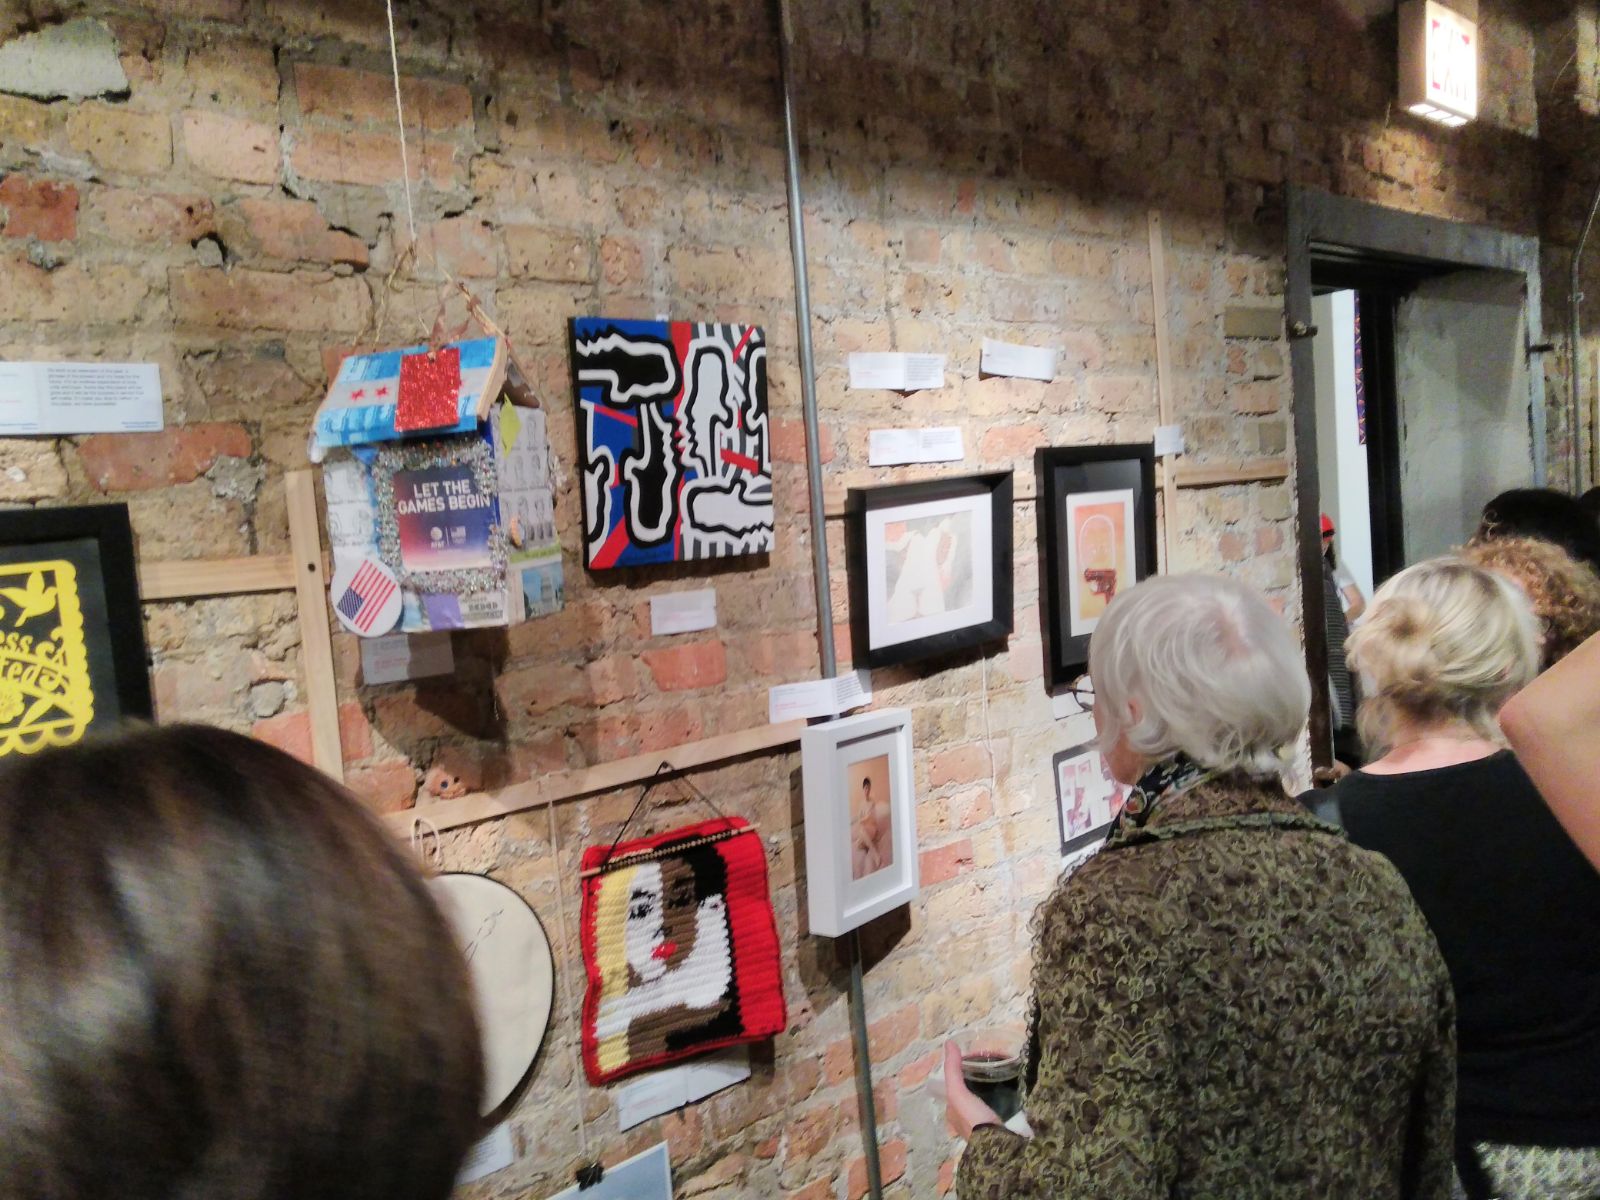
column 87, row 397
column 896, row 372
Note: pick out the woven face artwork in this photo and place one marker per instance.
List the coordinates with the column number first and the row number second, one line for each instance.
column 680, row 947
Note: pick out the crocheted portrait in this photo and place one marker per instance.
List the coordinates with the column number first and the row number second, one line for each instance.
column 680, row 948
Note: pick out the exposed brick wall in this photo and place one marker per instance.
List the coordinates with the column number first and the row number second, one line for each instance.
column 971, row 170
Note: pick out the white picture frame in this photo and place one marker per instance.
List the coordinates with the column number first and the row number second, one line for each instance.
column 855, row 868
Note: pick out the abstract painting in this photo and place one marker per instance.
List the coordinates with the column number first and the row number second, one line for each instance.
column 680, row 946
column 1097, row 538
column 929, row 567
column 72, row 651
column 672, row 441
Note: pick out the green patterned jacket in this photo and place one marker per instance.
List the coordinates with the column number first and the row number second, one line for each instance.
column 1233, row 1003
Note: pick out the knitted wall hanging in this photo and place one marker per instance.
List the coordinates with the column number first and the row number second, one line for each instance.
column 680, row 947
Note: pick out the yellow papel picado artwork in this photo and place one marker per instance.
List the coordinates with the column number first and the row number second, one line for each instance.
column 46, row 698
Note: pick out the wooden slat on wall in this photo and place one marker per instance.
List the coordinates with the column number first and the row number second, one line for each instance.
column 189, row 579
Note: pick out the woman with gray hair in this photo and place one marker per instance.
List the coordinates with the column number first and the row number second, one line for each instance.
column 1513, row 902
column 1229, row 1000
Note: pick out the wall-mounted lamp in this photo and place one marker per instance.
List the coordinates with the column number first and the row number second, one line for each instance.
column 1439, row 60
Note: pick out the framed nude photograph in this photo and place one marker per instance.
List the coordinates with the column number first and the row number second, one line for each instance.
column 929, row 566
column 1097, row 536
column 860, row 806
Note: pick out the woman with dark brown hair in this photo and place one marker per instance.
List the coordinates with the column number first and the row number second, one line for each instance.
column 220, row 980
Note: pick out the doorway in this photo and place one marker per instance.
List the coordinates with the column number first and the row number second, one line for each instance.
column 1414, row 401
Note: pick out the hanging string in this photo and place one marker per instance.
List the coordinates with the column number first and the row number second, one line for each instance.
column 566, row 979
column 400, row 118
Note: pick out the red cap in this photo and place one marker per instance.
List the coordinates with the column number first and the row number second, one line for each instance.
column 1327, row 525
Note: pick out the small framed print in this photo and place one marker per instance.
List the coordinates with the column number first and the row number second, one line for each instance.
column 1088, row 799
column 861, row 819
column 72, row 650
column 929, row 566
column 1097, row 536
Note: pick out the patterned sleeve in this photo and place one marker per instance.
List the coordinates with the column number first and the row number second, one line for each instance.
column 1105, row 1070
column 1430, row 1144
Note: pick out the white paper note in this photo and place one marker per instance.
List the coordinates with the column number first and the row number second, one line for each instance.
column 662, row 1091
column 493, row 1153
column 1169, row 439
column 891, row 447
column 1019, row 362
column 91, row 397
column 645, row 1176
column 398, row 656
column 896, row 372
column 683, row 612
column 819, row 697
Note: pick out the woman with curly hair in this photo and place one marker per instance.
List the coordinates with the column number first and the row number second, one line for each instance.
column 1564, row 592
column 1230, row 1000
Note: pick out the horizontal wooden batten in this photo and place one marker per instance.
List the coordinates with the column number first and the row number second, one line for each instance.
column 184, row 579
column 587, row 781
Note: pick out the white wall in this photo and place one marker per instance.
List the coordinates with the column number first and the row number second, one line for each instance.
column 1463, row 389
column 1341, row 457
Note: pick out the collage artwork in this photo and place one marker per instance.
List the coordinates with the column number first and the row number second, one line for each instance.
column 672, row 441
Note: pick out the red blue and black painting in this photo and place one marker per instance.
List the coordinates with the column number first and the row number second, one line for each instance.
column 672, row 441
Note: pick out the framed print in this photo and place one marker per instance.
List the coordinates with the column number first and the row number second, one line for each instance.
column 1097, row 535
column 929, row 566
column 861, row 827
column 72, row 654
column 1088, row 799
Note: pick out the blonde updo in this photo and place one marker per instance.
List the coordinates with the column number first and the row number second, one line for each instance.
column 1442, row 641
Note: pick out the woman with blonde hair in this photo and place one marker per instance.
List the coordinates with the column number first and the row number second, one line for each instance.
column 1511, row 900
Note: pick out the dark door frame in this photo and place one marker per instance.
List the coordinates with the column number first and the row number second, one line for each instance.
column 1327, row 227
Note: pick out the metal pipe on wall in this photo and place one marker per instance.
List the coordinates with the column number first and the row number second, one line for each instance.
column 819, row 557
column 1575, row 358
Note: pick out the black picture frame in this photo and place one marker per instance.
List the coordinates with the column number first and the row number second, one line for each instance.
column 97, row 542
column 1063, row 472
column 860, row 502
column 1074, row 840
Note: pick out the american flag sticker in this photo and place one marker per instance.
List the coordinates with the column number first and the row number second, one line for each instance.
column 366, row 596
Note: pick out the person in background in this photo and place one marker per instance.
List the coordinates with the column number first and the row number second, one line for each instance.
column 1590, row 502
column 1342, row 603
column 1512, row 901
column 1546, row 514
column 1564, row 593
column 1230, row 1000
column 220, row 979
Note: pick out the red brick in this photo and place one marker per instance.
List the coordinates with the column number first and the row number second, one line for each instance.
column 1231, row 546
column 810, row 1133
column 891, row 1034
column 696, row 665
column 74, row 292
column 922, row 246
column 134, row 216
column 297, row 230
column 289, row 732
column 1269, row 539
column 541, row 688
column 891, row 1165
column 781, row 653
column 355, row 733
column 788, row 437
column 817, row 1189
column 134, row 462
column 1009, row 443
column 371, row 159
column 39, row 208
column 946, row 862
column 963, row 764
column 303, row 302
column 664, row 729
column 231, row 147
column 350, row 96
column 384, row 787
column 915, row 1073
column 463, row 246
